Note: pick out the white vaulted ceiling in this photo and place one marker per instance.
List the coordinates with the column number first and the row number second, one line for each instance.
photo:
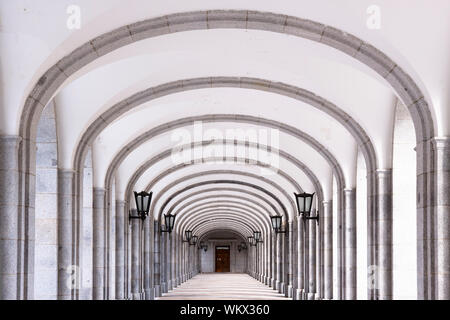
column 337, row 78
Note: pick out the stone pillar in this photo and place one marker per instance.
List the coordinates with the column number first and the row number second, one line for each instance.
column 174, row 259
column 179, row 249
column 65, row 239
column 372, row 273
column 441, row 215
column 306, row 232
column 135, row 265
column 340, row 244
column 319, row 257
column 266, row 260
column 312, row 259
column 156, row 268
column 148, row 290
column 163, row 262
column 98, row 230
column 300, row 259
column 255, row 261
column 273, row 253
column 9, row 211
column 168, row 261
column 291, row 259
column 285, row 263
column 189, row 260
column 384, row 234
column 176, row 267
column 279, row 262
column 120, row 249
column 350, row 243
column 328, row 248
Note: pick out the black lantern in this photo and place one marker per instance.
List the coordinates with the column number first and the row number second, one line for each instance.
column 257, row 236
column 143, row 200
column 242, row 246
column 194, row 241
column 188, row 234
column 304, row 204
column 203, row 246
column 276, row 224
column 252, row 241
column 169, row 220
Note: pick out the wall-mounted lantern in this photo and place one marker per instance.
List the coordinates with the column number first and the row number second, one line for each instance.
column 169, row 220
column 252, row 241
column 304, row 204
column 276, row 224
column 194, row 241
column 257, row 237
column 242, row 246
column 188, row 235
column 143, row 200
column 203, row 246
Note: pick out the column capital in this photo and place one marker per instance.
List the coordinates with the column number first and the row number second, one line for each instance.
column 440, row 143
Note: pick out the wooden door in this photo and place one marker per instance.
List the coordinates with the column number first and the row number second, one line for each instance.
column 222, row 259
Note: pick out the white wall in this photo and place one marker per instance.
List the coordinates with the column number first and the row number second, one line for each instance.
column 404, row 209
column 238, row 260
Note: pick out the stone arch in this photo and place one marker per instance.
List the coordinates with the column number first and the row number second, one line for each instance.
column 207, row 233
column 232, row 182
column 126, row 150
column 245, row 195
column 405, row 87
column 168, row 152
column 282, row 174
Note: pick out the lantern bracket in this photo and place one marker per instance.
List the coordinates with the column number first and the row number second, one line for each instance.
column 164, row 228
column 305, row 217
column 138, row 216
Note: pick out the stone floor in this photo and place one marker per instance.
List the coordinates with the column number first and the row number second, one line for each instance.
column 222, row 286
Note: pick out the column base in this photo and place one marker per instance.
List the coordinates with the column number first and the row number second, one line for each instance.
column 149, row 294
column 278, row 286
column 298, row 294
column 169, row 285
column 290, row 290
column 157, row 290
column 273, row 283
column 311, row 296
column 282, row 288
column 136, row 296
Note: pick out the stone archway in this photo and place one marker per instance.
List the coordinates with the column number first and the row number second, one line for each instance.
column 431, row 154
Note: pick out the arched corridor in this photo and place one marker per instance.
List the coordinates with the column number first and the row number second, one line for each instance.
column 293, row 150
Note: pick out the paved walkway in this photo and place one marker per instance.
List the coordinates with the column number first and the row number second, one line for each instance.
column 222, row 286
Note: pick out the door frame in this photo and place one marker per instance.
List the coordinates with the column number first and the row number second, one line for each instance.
column 229, row 257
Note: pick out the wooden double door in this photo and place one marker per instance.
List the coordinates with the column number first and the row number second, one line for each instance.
column 223, row 259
